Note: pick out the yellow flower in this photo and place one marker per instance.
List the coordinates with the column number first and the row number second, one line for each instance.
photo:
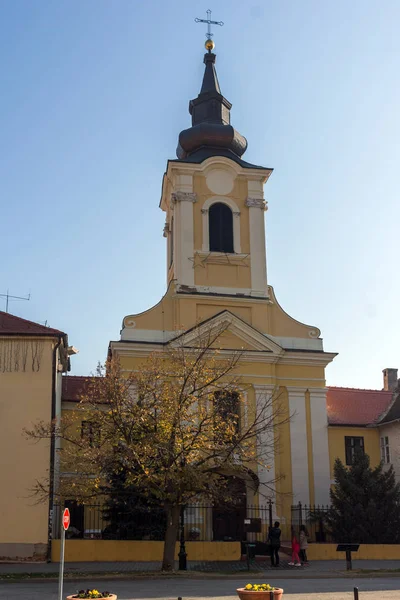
column 248, row 587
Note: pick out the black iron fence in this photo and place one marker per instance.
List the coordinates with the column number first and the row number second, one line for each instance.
column 313, row 517
column 200, row 523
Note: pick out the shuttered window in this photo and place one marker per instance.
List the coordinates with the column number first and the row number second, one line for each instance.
column 352, row 446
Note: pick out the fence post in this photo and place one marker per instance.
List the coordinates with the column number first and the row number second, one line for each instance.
column 300, row 514
column 270, row 512
column 182, row 550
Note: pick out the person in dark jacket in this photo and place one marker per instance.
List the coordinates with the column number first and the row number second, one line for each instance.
column 274, row 539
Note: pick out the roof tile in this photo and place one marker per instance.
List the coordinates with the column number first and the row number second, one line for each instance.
column 353, row 406
column 12, row 325
column 73, row 386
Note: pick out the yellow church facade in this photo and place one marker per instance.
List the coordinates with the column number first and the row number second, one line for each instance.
column 216, row 275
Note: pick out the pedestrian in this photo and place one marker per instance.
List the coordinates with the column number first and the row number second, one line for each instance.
column 303, row 544
column 295, row 551
column 274, row 539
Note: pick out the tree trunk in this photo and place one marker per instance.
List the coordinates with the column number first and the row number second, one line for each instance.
column 171, row 536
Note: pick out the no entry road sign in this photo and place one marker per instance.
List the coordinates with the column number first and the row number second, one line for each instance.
column 66, row 520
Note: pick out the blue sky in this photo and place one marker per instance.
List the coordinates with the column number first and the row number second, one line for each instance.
column 94, row 94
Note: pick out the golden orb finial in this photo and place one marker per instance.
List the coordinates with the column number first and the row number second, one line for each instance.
column 209, row 45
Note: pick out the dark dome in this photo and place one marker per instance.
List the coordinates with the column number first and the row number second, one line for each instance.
column 211, row 129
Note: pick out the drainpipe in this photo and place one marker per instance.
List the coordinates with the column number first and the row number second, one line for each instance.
column 52, row 450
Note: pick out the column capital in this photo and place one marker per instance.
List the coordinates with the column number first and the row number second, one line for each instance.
column 296, row 390
column 256, row 203
column 318, row 391
column 183, row 197
column 268, row 387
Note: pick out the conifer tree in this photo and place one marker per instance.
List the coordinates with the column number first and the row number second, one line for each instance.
column 365, row 503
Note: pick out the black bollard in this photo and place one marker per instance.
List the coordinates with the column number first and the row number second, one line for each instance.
column 356, row 593
column 271, row 595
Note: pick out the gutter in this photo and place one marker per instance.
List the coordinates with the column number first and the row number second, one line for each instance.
column 52, row 447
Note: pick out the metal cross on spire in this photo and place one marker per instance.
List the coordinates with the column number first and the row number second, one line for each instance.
column 209, row 23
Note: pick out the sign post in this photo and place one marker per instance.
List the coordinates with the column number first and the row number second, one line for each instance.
column 66, row 520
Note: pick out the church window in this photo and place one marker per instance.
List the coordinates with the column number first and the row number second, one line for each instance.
column 352, row 446
column 227, row 408
column 221, row 228
column 385, row 450
column 91, row 432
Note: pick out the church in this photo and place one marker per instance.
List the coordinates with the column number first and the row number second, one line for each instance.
column 216, row 272
column 216, row 268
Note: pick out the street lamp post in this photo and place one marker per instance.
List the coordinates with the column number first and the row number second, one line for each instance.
column 182, row 549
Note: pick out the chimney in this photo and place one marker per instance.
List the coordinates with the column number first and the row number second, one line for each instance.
column 389, row 379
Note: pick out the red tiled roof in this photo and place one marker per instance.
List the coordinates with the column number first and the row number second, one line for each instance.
column 10, row 324
column 72, row 387
column 352, row 406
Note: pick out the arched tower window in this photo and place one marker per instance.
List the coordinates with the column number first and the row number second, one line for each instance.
column 221, row 228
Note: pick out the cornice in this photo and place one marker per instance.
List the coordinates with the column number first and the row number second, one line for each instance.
column 231, row 297
column 248, row 172
column 320, row 359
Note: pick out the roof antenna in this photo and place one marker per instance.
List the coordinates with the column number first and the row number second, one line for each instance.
column 9, row 297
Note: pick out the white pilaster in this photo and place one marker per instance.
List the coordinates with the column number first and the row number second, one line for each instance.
column 298, row 445
column 266, row 444
column 183, row 237
column 257, row 206
column 320, row 445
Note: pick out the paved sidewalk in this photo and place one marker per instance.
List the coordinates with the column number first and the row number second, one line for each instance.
column 317, row 568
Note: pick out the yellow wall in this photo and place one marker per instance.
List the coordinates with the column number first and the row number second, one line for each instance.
column 366, row 552
column 140, row 551
column 336, row 437
column 25, row 397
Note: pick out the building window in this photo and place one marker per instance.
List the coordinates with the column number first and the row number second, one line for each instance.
column 220, row 228
column 91, row 431
column 385, row 451
column 352, row 446
column 227, row 407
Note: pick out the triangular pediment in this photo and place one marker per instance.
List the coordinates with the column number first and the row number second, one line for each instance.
column 235, row 334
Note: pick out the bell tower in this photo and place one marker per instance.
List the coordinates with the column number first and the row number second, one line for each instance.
column 214, row 202
column 216, row 270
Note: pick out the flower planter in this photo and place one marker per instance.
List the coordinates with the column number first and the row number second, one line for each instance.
column 251, row 595
column 112, row 597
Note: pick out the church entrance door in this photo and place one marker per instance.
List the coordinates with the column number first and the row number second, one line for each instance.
column 229, row 516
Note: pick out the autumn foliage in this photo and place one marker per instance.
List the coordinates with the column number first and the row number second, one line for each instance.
column 177, row 428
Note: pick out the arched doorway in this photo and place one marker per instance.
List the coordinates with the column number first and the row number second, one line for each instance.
column 228, row 516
